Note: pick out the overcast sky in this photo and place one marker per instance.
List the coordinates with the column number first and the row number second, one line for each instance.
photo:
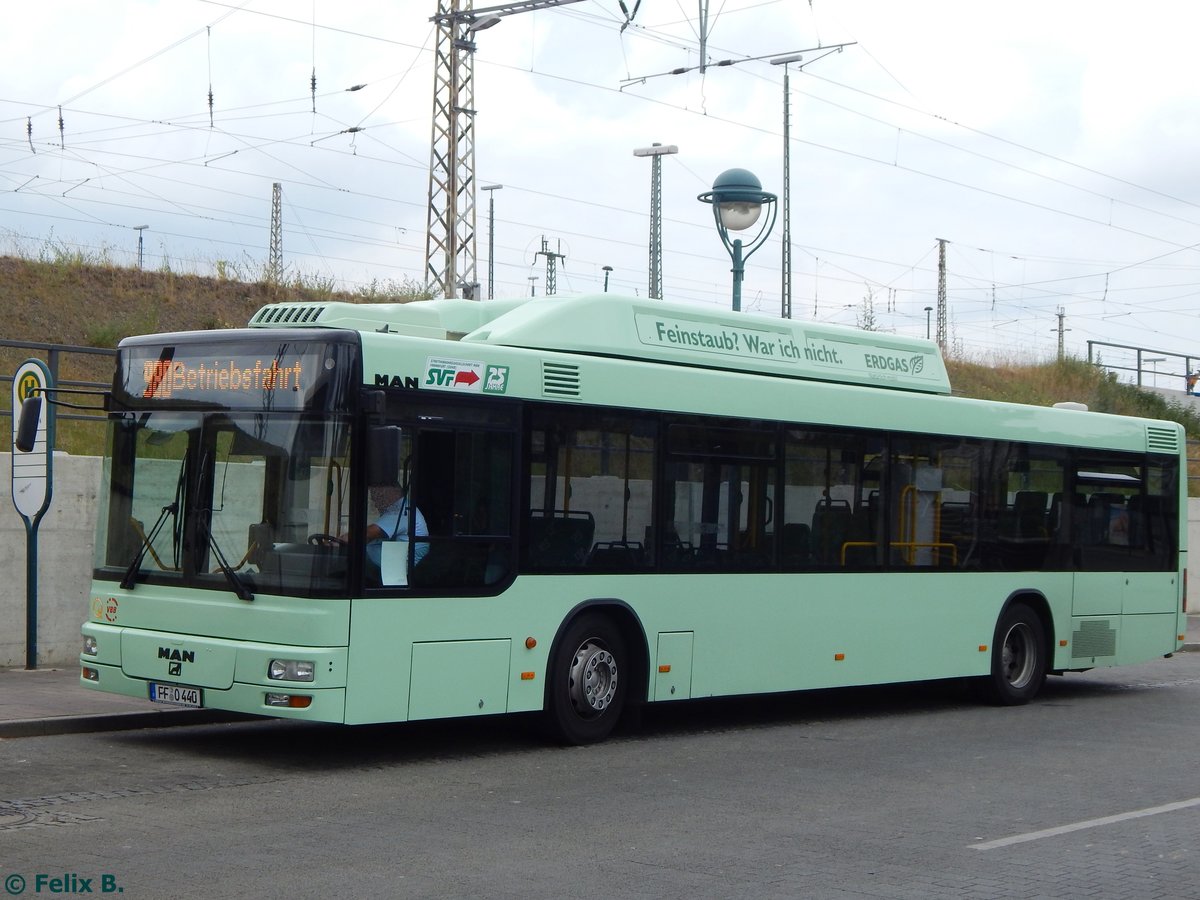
column 1052, row 145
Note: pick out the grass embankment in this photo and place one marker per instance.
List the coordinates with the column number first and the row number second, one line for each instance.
column 65, row 298
column 1048, row 383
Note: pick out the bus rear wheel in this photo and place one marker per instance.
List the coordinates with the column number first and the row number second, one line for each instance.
column 1018, row 657
column 588, row 681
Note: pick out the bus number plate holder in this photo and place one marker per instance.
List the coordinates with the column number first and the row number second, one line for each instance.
column 176, row 695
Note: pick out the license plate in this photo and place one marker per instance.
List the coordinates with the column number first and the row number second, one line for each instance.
column 176, row 694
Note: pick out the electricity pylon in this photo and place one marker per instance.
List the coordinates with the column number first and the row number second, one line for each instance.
column 450, row 237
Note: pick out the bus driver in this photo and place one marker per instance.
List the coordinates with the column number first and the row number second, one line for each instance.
column 392, row 523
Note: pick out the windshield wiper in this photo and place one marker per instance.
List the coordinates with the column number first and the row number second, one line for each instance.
column 131, row 573
column 235, row 580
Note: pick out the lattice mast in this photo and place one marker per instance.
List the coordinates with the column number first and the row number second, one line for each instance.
column 450, row 235
column 941, row 297
column 785, row 289
column 275, row 260
column 551, row 265
column 656, row 288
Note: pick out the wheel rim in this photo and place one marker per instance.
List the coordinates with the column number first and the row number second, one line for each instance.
column 594, row 677
column 1019, row 656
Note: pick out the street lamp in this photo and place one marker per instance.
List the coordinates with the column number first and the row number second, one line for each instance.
column 607, row 270
column 139, row 229
column 1154, row 361
column 928, row 310
column 737, row 200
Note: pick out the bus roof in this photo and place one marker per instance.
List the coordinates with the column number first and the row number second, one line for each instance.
column 652, row 330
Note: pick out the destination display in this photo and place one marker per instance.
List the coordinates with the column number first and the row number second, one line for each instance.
column 282, row 376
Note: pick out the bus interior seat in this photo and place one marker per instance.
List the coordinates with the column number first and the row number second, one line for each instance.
column 260, row 539
column 831, row 523
column 1054, row 520
column 955, row 515
column 452, row 564
column 678, row 553
column 1029, row 514
column 795, row 544
column 561, row 539
column 617, row 555
column 1100, row 511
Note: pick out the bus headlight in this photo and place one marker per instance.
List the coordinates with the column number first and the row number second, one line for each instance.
column 291, row 670
column 89, row 645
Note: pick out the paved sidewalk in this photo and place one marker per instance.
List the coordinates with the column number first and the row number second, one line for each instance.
column 51, row 701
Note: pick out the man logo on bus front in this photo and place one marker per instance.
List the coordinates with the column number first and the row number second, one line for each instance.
column 176, row 658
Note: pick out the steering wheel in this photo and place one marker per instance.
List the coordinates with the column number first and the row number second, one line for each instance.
column 320, row 539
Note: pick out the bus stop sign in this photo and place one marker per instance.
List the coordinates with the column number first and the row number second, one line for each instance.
column 31, row 472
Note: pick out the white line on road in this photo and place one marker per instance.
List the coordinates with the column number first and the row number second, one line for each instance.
column 1088, row 823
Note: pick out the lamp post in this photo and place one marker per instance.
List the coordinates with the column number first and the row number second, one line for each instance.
column 139, row 229
column 928, row 310
column 607, row 270
column 491, row 189
column 1154, row 361
column 737, row 200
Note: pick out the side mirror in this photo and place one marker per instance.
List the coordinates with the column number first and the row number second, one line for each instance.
column 384, row 444
column 27, row 425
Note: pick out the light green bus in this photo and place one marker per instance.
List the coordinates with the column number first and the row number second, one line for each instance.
column 574, row 506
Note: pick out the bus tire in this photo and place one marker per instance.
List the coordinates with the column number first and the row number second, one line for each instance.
column 588, row 681
column 1018, row 657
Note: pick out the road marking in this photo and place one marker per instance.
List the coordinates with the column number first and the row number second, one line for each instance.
column 1088, row 823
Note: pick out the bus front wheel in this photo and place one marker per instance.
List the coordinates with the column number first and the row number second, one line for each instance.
column 588, row 681
column 1018, row 657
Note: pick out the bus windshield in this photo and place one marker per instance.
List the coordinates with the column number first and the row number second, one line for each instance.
column 249, row 502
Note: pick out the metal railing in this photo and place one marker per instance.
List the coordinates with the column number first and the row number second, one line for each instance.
column 54, row 355
column 1142, row 361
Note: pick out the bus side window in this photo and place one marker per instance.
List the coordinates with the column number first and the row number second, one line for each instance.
column 462, row 484
column 1123, row 513
column 591, row 488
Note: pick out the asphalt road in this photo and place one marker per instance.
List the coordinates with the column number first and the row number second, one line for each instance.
column 912, row 791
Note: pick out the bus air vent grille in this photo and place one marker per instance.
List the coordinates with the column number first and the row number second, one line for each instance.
column 1161, row 440
column 283, row 314
column 560, row 380
column 1095, row 637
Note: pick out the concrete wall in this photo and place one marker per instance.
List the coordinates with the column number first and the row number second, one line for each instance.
column 65, row 562
column 65, row 539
